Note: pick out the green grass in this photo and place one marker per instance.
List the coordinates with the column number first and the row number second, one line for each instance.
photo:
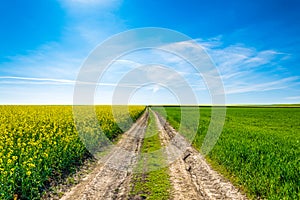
column 259, row 148
column 151, row 178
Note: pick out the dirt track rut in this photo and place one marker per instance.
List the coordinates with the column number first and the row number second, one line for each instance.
column 111, row 178
column 191, row 176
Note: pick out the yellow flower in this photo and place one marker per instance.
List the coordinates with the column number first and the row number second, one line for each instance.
column 15, row 157
column 31, row 165
column 28, row 173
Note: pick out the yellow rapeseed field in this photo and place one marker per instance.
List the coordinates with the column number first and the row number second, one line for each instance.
column 38, row 143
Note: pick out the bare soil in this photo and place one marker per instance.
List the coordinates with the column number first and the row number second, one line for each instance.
column 111, row 178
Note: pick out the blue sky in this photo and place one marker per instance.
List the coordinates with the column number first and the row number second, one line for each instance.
column 254, row 44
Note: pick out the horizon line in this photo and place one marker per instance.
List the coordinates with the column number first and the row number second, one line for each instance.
column 207, row 105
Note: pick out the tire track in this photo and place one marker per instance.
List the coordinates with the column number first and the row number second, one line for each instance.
column 111, row 178
column 191, row 176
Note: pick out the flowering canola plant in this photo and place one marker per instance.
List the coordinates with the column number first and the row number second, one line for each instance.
column 38, row 143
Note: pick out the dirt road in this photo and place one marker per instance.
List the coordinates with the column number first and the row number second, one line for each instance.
column 191, row 177
column 111, row 178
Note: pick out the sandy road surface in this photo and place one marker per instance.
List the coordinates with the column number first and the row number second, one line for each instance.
column 191, row 176
column 111, row 178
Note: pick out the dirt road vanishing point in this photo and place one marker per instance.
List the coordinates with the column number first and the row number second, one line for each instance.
column 191, row 177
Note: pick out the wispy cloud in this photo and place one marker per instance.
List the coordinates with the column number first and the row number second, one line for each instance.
column 243, row 69
column 246, row 69
column 53, row 81
column 36, row 79
column 49, row 60
column 261, row 87
column 293, row 98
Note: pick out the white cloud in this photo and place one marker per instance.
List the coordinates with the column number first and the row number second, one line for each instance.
column 53, row 81
column 242, row 69
column 50, row 60
column 156, row 88
column 260, row 87
column 246, row 69
column 36, row 79
column 293, row 98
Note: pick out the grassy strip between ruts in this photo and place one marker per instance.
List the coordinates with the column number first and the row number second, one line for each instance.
column 151, row 176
